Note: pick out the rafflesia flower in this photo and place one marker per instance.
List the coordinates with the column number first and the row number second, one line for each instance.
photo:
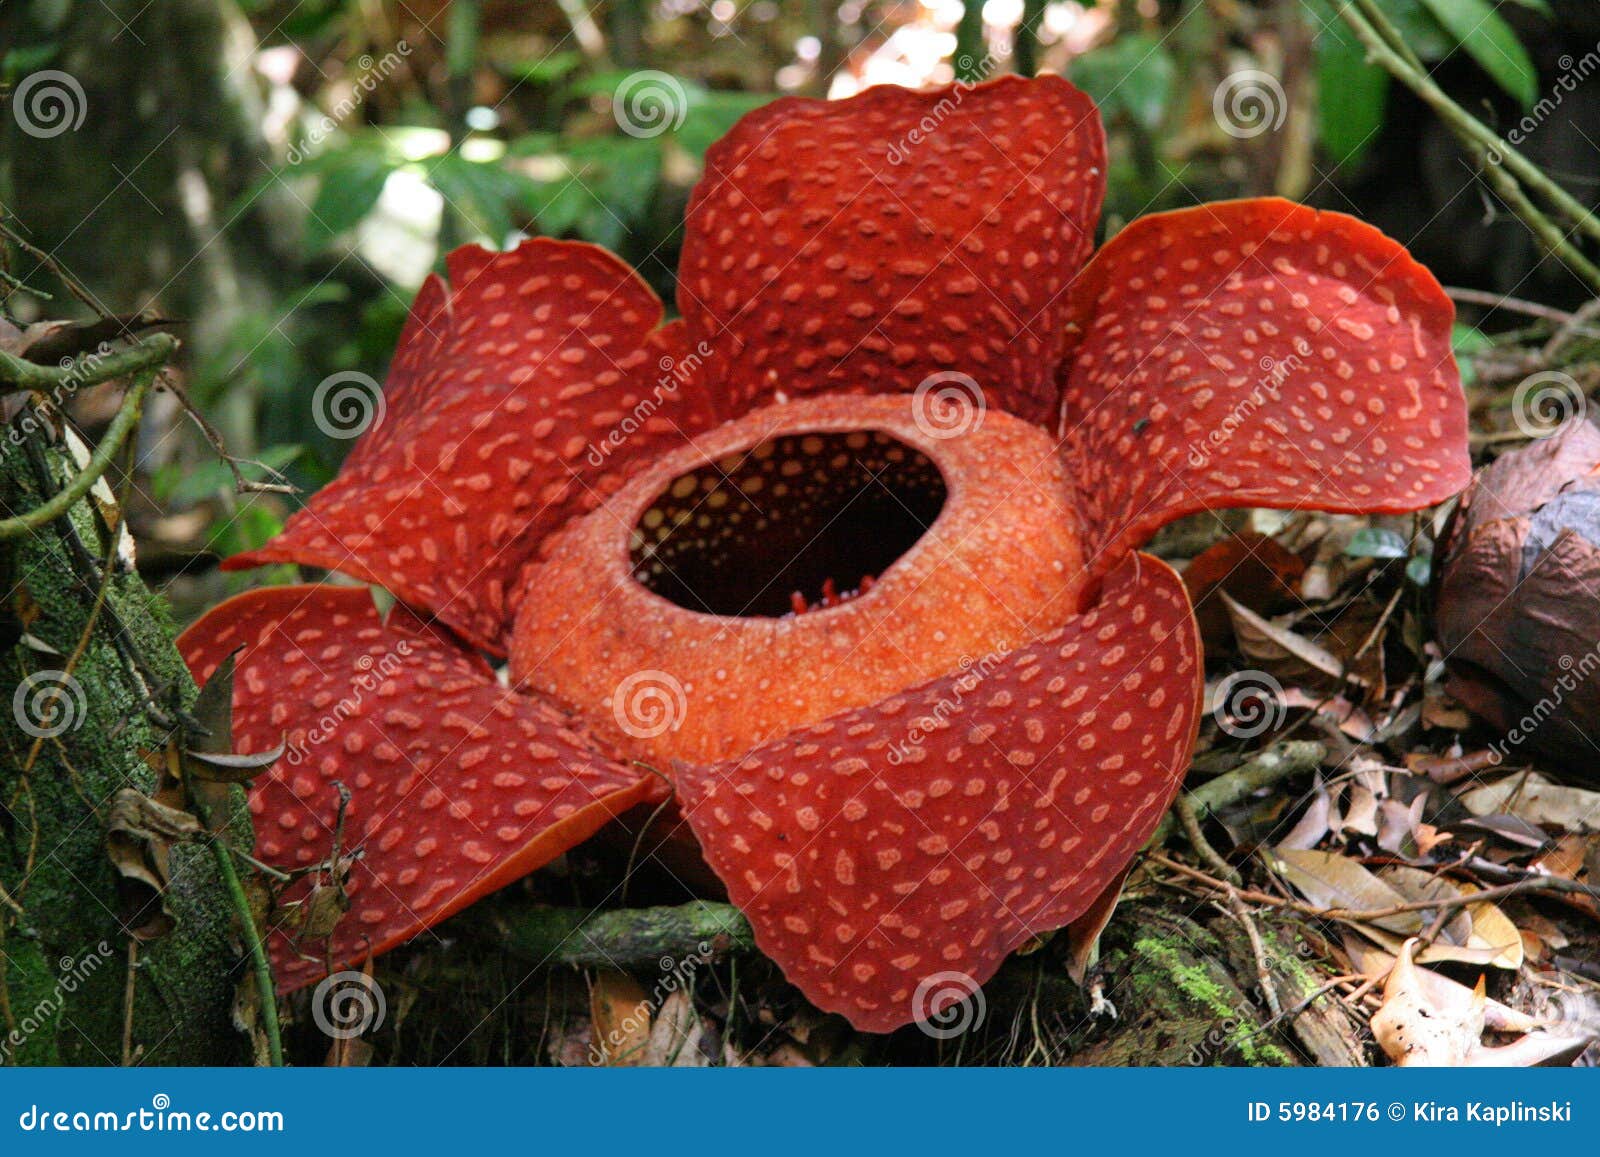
column 846, row 553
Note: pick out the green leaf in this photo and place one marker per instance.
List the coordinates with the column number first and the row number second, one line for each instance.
column 1131, row 76
column 1377, row 542
column 711, row 114
column 350, row 188
column 485, row 193
column 1351, row 94
column 1419, row 569
column 1465, row 341
column 1486, row 37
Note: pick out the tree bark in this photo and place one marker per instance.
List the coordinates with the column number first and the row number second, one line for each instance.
column 64, row 957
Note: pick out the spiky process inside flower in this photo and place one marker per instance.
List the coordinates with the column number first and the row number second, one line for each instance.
column 846, row 554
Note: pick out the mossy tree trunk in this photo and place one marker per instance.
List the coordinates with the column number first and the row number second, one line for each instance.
column 64, row 956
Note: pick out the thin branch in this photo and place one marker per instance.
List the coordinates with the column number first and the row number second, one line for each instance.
column 125, row 422
column 1386, row 46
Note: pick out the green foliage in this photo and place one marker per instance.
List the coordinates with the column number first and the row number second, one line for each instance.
column 1484, row 35
column 1131, row 77
column 1352, row 92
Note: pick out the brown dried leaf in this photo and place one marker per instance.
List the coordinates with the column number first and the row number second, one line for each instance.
column 140, row 834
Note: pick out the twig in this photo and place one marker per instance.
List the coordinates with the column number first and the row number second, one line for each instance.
column 89, row 369
column 1264, row 768
column 1501, row 164
column 618, row 938
column 125, row 422
column 1357, row 915
column 1515, row 304
column 1184, row 810
column 258, row 951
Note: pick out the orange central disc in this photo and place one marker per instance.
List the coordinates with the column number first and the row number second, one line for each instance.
column 667, row 617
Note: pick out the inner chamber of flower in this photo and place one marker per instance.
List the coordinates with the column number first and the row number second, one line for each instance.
column 971, row 540
column 801, row 521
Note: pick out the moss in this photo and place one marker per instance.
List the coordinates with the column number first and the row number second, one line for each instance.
column 52, row 851
column 1240, row 1030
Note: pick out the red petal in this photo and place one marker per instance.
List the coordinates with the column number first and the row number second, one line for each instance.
column 458, row 786
column 868, row 243
column 920, row 840
column 515, row 401
column 1258, row 353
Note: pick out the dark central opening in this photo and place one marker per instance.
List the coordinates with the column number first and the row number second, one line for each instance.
column 800, row 521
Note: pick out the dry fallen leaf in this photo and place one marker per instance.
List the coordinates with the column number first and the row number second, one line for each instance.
column 1413, row 1031
column 1534, row 798
column 621, row 1014
column 140, row 834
